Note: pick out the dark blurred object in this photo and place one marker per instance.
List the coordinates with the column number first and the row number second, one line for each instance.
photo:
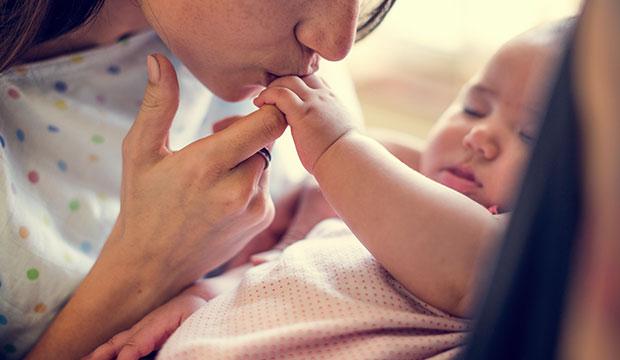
column 555, row 291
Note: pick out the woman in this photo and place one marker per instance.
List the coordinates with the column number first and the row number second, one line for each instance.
column 182, row 213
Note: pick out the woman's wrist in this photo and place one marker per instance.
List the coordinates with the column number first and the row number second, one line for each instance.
column 112, row 297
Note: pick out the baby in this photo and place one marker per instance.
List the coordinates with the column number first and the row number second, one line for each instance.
column 396, row 278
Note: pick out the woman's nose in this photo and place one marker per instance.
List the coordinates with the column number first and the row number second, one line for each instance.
column 331, row 32
column 480, row 140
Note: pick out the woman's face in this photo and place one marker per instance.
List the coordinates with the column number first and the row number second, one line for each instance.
column 236, row 47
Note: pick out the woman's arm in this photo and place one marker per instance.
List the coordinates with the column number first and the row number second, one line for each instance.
column 113, row 296
column 182, row 214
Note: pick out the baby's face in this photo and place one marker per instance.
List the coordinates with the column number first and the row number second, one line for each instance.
column 482, row 142
column 236, row 47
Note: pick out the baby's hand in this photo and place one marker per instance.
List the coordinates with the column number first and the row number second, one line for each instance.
column 150, row 333
column 316, row 117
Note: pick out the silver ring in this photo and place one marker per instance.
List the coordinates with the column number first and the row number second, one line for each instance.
column 264, row 152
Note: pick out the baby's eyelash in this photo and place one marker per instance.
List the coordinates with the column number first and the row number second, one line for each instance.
column 526, row 138
column 472, row 112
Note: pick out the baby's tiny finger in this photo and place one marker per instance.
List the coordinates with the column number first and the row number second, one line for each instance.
column 315, row 82
column 110, row 349
column 265, row 256
column 293, row 83
column 284, row 99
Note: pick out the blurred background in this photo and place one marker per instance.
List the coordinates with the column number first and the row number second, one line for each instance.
column 411, row 68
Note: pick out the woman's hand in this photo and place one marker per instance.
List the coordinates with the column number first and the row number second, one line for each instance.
column 186, row 212
column 316, row 116
column 296, row 214
column 182, row 214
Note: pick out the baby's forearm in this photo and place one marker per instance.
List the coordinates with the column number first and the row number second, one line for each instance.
column 405, row 147
column 429, row 237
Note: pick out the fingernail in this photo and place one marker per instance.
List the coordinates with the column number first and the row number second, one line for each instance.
column 152, row 68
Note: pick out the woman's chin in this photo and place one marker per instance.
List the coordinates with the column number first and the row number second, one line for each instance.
column 242, row 93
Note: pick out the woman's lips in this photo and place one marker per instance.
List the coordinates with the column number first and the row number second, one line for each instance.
column 269, row 77
column 459, row 179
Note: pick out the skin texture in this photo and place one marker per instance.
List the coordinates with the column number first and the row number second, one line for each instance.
column 477, row 152
column 453, row 234
column 232, row 45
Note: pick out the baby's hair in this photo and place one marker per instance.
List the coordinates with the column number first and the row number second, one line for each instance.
column 27, row 23
column 556, row 32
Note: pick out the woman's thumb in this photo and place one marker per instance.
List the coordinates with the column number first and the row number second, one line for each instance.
column 149, row 132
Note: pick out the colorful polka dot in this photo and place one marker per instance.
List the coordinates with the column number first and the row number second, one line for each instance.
column 33, row 176
column 77, row 59
column 21, row 135
column 114, row 70
column 86, row 247
column 74, row 205
column 24, row 232
column 124, row 39
column 97, row 139
column 2, row 141
column 62, row 166
column 53, row 128
column 13, row 93
column 60, row 104
column 100, row 99
column 32, row 274
column 68, row 257
column 21, row 70
column 60, row 86
column 13, row 189
column 93, row 158
column 9, row 348
column 3, row 320
column 40, row 308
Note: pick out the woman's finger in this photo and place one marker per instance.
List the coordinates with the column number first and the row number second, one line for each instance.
column 249, row 173
column 242, row 139
column 148, row 135
column 224, row 123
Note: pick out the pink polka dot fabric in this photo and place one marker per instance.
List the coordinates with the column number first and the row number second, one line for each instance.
column 325, row 298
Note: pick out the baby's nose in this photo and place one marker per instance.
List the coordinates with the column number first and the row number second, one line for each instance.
column 480, row 139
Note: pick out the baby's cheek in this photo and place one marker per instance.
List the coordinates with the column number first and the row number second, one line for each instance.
column 505, row 185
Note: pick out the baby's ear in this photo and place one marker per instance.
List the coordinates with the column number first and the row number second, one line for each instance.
column 224, row 123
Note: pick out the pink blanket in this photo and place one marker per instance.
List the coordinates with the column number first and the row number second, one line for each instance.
column 326, row 297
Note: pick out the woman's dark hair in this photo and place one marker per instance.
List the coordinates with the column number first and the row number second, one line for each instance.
column 26, row 23
column 373, row 18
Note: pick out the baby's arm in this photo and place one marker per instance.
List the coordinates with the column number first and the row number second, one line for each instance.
column 431, row 238
column 405, row 147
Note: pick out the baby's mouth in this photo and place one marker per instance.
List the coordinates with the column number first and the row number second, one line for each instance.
column 460, row 179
